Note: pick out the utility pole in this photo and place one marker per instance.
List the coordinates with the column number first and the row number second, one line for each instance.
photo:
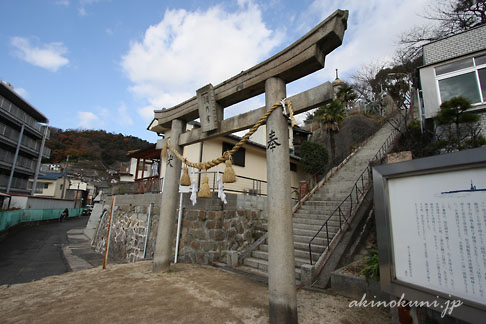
column 14, row 163
column 64, row 180
column 39, row 159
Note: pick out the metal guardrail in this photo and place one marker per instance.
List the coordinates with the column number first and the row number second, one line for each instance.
column 354, row 198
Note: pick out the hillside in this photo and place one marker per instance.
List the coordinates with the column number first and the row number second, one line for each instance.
column 91, row 145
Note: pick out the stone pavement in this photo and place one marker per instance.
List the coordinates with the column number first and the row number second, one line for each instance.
column 78, row 252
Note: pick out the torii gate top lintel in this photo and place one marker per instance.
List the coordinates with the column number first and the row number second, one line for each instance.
column 301, row 58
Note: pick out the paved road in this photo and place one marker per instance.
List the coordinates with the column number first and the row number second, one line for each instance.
column 32, row 253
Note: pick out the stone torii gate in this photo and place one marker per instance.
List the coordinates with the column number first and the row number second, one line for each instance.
column 301, row 58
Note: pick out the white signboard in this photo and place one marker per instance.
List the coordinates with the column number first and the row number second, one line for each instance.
column 439, row 231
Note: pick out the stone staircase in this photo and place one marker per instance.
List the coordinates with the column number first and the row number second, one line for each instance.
column 309, row 218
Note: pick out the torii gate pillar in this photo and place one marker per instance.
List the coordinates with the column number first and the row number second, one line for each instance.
column 168, row 206
column 281, row 264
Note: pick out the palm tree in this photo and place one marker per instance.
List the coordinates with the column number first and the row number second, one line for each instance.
column 330, row 118
column 346, row 95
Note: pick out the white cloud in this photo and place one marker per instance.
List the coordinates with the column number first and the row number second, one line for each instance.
column 124, row 117
column 48, row 56
column 374, row 28
column 147, row 113
column 84, row 3
column 62, row 3
column 89, row 120
column 22, row 92
column 187, row 50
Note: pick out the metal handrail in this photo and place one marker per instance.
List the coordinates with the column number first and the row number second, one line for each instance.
column 339, row 209
column 358, row 193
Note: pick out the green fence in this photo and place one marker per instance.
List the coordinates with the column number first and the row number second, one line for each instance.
column 14, row 217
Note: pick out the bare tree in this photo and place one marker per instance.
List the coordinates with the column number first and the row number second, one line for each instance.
column 368, row 88
column 446, row 17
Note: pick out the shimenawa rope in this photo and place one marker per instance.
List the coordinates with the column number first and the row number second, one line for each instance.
column 228, row 154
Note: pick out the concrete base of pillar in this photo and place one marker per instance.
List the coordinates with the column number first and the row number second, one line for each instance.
column 160, row 267
column 232, row 258
column 282, row 314
column 306, row 273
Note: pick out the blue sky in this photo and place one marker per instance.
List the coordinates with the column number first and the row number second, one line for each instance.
column 107, row 64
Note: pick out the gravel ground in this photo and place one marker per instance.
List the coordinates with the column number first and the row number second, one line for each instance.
column 132, row 293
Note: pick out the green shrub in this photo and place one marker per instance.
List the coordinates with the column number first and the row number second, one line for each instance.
column 314, row 156
column 372, row 269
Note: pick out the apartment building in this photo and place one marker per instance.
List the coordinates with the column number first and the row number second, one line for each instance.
column 22, row 139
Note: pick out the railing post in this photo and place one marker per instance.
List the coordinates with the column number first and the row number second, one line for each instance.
column 310, row 252
column 327, row 234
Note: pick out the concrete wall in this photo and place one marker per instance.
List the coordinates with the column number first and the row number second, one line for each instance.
column 28, row 202
column 209, row 229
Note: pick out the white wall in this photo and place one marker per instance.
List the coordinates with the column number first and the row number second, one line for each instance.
column 26, row 202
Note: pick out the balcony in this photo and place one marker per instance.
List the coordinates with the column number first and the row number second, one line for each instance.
column 19, row 117
column 29, row 145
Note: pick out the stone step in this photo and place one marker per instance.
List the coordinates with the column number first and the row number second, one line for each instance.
column 319, row 249
column 314, row 210
column 308, row 209
column 310, row 233
column 313, row 213
column 262, row 265
column 298, row 246
column 333, row 223
column 348, row 175
column 309, row 221
column 320, row 203
column 318, row 241
column 263, row 255
column 301, row 254
column 301, row 218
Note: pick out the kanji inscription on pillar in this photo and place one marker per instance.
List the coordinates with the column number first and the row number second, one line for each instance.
column 169, row 160
column 272, row 142
column 208, row 108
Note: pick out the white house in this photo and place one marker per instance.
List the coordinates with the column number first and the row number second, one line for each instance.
column 454, row 66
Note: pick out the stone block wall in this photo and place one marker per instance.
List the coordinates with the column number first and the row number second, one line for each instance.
column 209, row 229
column 207, row 236
column 129, row 228
column 457, row 45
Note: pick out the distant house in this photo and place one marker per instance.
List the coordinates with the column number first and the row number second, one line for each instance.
column 21, row 142
column 49, row 184
column 81, row 192
column 454, row 66
column 143, row 164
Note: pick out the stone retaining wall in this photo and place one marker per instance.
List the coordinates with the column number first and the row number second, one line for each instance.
column 209, row 229
column 207, row 236
column 129, row 227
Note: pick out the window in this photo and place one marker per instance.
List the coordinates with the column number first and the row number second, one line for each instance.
column 293, row 167
column 465, row 77
column 238, row 157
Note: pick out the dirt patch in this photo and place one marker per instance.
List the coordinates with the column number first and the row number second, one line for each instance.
column 132, row 293
column 354, row 268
